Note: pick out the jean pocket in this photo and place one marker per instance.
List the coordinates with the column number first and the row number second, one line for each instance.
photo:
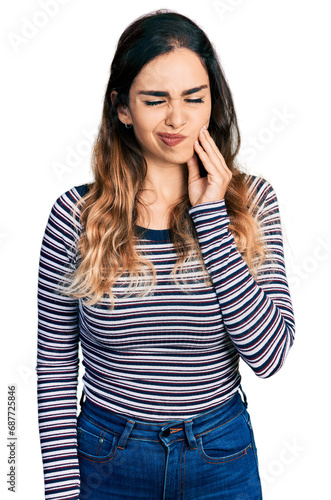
column 94, row 442
column 226, row 442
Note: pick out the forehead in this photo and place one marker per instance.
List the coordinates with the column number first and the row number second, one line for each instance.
column 174, row 72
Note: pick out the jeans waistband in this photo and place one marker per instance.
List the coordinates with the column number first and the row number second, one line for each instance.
column 167, row 431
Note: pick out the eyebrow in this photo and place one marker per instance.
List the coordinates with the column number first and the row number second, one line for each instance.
column 158, row 93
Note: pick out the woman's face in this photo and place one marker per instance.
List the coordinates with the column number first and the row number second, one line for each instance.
column 182, row 106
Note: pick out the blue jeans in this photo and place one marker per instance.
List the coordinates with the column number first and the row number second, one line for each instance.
column 208, row 457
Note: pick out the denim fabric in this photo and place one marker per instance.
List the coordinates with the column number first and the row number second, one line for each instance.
column 208, row 457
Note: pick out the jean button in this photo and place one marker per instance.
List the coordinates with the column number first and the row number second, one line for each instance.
column 166, row 433
column 100, row 440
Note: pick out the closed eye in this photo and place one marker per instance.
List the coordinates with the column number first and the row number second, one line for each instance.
column 155, row 103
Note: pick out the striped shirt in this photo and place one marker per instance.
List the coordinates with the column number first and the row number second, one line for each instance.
column 169, row 355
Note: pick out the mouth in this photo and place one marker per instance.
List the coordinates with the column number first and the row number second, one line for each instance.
column 172, row 139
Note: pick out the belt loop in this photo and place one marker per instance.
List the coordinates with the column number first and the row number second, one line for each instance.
column 189, row 435
column 244, row 396
column 125, row 434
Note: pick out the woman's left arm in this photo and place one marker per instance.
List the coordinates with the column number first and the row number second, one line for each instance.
column 258, row 315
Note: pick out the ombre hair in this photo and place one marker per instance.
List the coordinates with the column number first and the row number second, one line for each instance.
column 107, row 248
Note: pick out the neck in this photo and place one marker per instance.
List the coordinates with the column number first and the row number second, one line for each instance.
column 166, row 185
column 163, row 188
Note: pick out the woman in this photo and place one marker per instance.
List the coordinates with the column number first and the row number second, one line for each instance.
column 168, row 268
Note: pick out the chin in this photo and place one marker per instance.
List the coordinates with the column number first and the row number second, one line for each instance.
column 185, row 155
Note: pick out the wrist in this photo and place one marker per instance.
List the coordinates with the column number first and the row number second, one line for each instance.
column 210, row 216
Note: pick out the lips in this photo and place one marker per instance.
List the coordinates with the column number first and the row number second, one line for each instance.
column 171, row 139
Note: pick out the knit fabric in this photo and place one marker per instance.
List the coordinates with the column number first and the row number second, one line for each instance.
column 169, row 355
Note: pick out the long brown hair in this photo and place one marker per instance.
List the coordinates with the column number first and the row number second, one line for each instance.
column 107, row 247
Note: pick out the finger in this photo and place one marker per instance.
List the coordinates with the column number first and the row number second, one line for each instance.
column 204, row 132
column 193, row 168
column 203, row 155
column 210, row 160
column 209, row 142
column 210, row 147
column 213, row 144
column 207, row 146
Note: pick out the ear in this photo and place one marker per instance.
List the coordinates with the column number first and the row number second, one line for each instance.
column 123, row 111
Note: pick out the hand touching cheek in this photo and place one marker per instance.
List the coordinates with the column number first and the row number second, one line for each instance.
column 214, row 186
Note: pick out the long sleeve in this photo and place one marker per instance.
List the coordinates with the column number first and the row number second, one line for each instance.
column 257, row 315
column 57, row 357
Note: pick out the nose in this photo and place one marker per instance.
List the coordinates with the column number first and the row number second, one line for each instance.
column 175, row 116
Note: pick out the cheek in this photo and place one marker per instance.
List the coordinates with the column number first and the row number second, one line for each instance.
column 144, row 136
column 145, row 126
column 206, row 115
column 203, row 119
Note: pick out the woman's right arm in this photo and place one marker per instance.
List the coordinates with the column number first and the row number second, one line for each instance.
column 57, row 357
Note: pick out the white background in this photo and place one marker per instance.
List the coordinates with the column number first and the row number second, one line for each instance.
column 275, row 55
